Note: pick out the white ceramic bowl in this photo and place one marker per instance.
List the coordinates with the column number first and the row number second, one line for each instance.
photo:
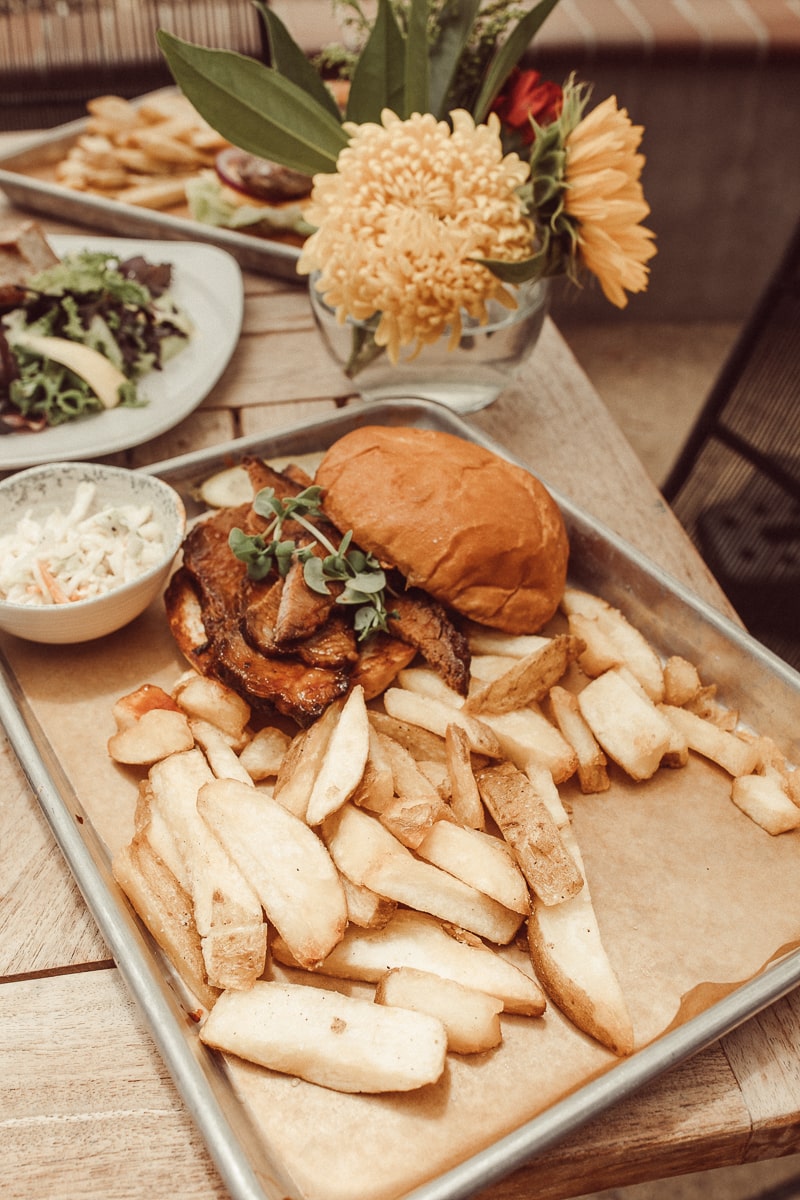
column 39, row 491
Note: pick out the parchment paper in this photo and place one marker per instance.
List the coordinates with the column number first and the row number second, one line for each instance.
column 692, row 899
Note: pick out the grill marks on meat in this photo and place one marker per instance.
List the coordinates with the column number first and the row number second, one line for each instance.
column 212, row 592
column 332, row 643
column 211, row 638
column 422, row 622
column 302, row 611
column 282, row 646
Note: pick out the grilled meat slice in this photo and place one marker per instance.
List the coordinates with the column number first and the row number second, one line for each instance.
column 302, row 612
column 213, row 643
column 259, row 616
column 185, row 619
column 223, row 594
column 422, row 622
column 378, row 663
column 262, row 475
column 287, row 685
column 207, row 557
column 332, row 643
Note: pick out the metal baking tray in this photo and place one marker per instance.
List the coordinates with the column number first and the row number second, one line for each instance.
column 766, row 690
column 24, row 179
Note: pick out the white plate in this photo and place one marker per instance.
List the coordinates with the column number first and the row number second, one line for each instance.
column 207, row 284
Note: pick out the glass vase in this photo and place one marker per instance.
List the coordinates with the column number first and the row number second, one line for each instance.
column 465, row 379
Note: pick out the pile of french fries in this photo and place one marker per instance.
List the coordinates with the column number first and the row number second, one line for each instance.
column 403, row 844
column 142, row 154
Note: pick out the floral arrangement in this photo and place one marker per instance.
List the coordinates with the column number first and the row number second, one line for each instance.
column 449, row 176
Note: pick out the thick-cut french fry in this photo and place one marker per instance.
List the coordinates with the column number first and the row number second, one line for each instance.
column 465, row 798
column 155, row 735
column 222, row 759
column 470, row 1018
column 484, row 668
column 569, row 958
column 765, row 801
column 156, row 194
column 153, row 828
column 302, row 762
column 369, row 854
column 206, row 698
column 427, row 682
column 166, row 911
column 344, row 760
column 409, row 781
column 543, row 785
column 414, row 939
column 263, row 755
column 483, row 640
column 592, row 762
column 599, row 653
column 284, row 862
column 438, row 777
column 529, row 679
column 681, row 680
column 633, row 648
column 409, row 820
column 706, row 705
column 128, row 709
column 527, row 736
column 366, row 908
column 414, row 804
column 631, row 730
column 227, row 910
column 420, row 743
column 375, row 790
column 435, row 716
column 341, row 1042
column 480, row 859
column 732, row 753
column 531, row 832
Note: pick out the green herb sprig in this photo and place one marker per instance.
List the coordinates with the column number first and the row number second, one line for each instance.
column 362, row 575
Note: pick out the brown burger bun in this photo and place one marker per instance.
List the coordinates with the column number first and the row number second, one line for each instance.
column 474, row 531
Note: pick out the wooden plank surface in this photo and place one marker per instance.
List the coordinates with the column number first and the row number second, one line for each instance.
column 86, row 1106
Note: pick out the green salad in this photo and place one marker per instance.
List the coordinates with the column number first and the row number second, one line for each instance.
column 88, row 329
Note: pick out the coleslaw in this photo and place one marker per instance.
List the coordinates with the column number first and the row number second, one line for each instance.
column 78, row 554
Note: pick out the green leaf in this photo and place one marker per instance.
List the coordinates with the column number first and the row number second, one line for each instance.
column 446, row 52
column 291, row 62
column 314, row 576
column 368, row 582
column 417, row 78
column 520, row 271
column 265, row 503
column 509, row 55
column 254, row 107
column 379, row 77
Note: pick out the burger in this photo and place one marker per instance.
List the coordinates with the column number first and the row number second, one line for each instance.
column 452, row 531
column 479, row 534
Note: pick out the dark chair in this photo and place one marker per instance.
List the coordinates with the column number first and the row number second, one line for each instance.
column 736, row 484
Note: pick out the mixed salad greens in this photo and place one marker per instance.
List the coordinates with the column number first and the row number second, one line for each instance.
column 88, row 329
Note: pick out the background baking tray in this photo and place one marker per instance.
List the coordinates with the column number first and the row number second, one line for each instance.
column 758, row 683
column 25, row 178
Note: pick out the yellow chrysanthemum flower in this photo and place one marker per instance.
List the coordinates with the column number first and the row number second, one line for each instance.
column 399, row 224
column 604, row 196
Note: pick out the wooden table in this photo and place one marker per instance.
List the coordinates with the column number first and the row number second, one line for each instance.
column 87, row 1107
